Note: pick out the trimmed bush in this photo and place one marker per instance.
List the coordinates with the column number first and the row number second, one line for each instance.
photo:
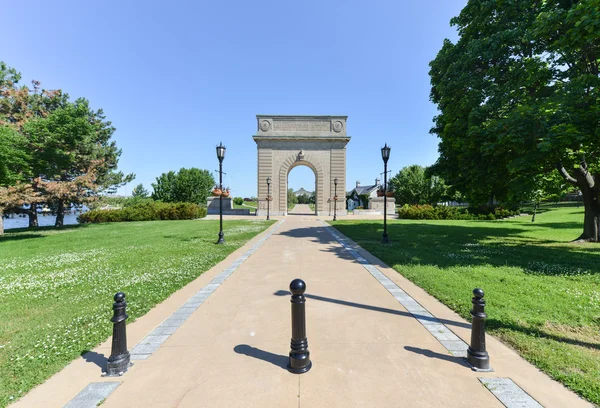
column 428, row 212
column 149, row 211
column 238, row 200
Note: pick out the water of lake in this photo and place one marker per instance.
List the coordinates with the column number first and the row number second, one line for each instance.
column 43, row 221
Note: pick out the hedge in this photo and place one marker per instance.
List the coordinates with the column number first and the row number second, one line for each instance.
column 145, row 212
column 428, row 212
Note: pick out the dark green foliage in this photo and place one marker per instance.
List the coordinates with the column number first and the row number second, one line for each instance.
column 292, row 199
column 187, row 185
column 145, row 212
column 140, row 191
column 519, row 97
column 303, row 199
column 238, row 200
column 13, row 156
column 428, row 212
column 419, row 185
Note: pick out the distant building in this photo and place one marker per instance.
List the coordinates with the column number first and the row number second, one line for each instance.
column 354, row 197
column 302, row 191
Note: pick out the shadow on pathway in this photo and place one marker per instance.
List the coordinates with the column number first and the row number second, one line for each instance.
column 92, row 357
column 434, row 354
column 275, row 359
column 373, row 308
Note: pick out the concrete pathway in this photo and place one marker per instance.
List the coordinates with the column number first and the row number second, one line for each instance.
column 367, row 349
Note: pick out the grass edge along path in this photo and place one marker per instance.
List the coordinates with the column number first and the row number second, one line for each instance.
column 542, row 291
column 57, row 285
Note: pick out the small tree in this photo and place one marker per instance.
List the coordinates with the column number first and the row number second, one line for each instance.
column 303, row 199
column 140, row 192
column 187, row 185
column 410, row 185
column 292, row 199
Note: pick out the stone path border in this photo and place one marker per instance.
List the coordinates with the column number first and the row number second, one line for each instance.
column 445, row 336
column 93, row 395
column 509, row 393
column 158, row 336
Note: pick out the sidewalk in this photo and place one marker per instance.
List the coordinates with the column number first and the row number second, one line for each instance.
column 367, row 349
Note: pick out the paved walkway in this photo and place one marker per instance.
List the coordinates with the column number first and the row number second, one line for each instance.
column 367, row 349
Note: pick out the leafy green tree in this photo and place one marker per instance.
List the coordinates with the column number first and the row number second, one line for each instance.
column 410, row 185
column 303, row 199
column 14, row 160
column 164, row 188
column 140, row 191
column 18, row 105
column 238, row 200
column 187, row 185
column 518, row 96
column 75, row 154
column 292, row 198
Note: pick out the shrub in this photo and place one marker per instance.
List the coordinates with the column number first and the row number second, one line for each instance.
column 238, row 200
column 428, row 212
column 148, row 211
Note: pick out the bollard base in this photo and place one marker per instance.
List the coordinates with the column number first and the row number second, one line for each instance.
column 479, row 361
column 119, row 366
column 299, row 363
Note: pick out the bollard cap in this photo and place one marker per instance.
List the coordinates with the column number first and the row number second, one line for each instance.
column 119, row 297
column 297, row 287
column 478, row 293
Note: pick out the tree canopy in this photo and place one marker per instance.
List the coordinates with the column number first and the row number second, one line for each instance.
column 187, row 185
column 418, row 185
column 140, row 191
column 60, row 150
column 518, row 96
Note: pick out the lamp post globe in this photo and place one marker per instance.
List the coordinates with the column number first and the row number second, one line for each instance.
column 385, row 155
column 268, row 197
column 221, row 155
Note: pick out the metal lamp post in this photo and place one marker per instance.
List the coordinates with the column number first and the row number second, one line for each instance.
column 335, row 181
column 268, row 195
column 385, row 155
column 221, row 155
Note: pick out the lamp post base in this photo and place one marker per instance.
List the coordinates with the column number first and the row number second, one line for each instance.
column 221, row 238
column 118, row 366
column 385, row 239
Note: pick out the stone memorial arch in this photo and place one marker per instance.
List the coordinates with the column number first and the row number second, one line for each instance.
column 287, row 141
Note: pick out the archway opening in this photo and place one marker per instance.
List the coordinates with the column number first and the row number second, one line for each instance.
column 301, row 197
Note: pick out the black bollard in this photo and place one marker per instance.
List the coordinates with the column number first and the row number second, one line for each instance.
column 118, row 362
column 477, row 356
column 299, row 355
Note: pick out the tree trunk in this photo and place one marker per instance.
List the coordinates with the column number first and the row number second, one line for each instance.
column 590, row 193
column 1, row 222
column 33, row 216
column 591, row 220
column 60, row 214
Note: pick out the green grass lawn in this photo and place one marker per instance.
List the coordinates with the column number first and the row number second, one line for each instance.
column 248, row 205
column 542, row 291
column 57, row 285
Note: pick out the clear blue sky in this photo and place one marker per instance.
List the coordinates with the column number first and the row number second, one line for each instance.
column 177, row 77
